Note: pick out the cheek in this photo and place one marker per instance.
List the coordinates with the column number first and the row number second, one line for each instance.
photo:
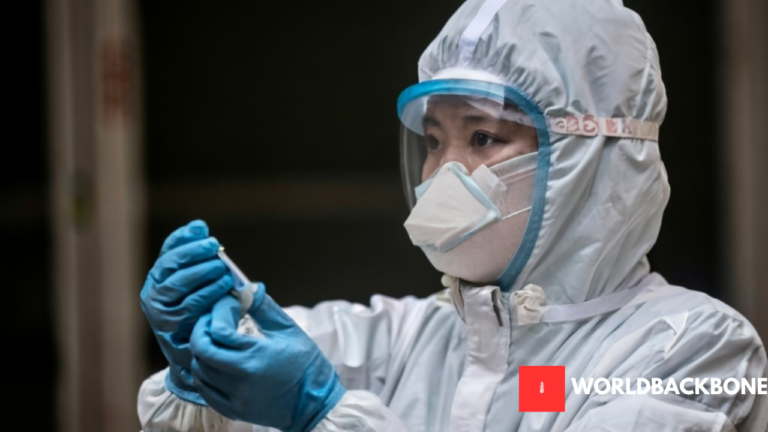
column 505, row 153
column 532, row 141
column 430, row 165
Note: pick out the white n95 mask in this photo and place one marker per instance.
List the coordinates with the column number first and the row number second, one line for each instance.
column 453, row 206
column 470, row 225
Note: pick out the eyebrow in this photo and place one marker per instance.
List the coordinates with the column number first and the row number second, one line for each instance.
column 474, row 119
column 428, row 120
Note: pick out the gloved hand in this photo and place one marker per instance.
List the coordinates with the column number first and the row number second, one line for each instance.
column 279, row 378
column 183, row 285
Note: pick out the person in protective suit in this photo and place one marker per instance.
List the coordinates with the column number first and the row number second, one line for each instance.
column 531, row 163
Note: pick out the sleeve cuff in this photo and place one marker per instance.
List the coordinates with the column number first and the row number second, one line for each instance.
column 362, row 411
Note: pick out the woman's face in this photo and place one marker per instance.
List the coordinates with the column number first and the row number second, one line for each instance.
column 473, row 133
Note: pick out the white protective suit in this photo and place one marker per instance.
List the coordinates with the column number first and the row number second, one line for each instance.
column 417, row 365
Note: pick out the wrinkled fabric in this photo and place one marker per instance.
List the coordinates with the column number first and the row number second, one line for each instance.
column 403, row 359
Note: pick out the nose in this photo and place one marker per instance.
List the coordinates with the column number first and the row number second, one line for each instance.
column 455, row 153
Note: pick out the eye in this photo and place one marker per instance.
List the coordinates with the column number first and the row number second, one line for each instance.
column 432, row 143
column 482, row 139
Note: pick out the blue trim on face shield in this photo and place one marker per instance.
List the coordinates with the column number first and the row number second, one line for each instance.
column 480, row 89
column 538, row 202
column 514, row 95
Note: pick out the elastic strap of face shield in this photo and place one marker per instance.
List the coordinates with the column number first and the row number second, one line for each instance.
column 586, row 125
column 590, row 126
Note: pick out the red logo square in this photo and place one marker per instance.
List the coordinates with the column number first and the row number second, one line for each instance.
column 542, row 388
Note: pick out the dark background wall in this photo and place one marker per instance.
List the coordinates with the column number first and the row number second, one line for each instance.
column 279, row 129
column 29, row 359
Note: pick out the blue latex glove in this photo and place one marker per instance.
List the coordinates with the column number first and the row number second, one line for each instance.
column 183, row 285
column 279, row 379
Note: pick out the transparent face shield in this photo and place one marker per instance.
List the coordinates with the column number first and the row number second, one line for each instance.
column 469, row 169
column 475, row 161
column 473, row 131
